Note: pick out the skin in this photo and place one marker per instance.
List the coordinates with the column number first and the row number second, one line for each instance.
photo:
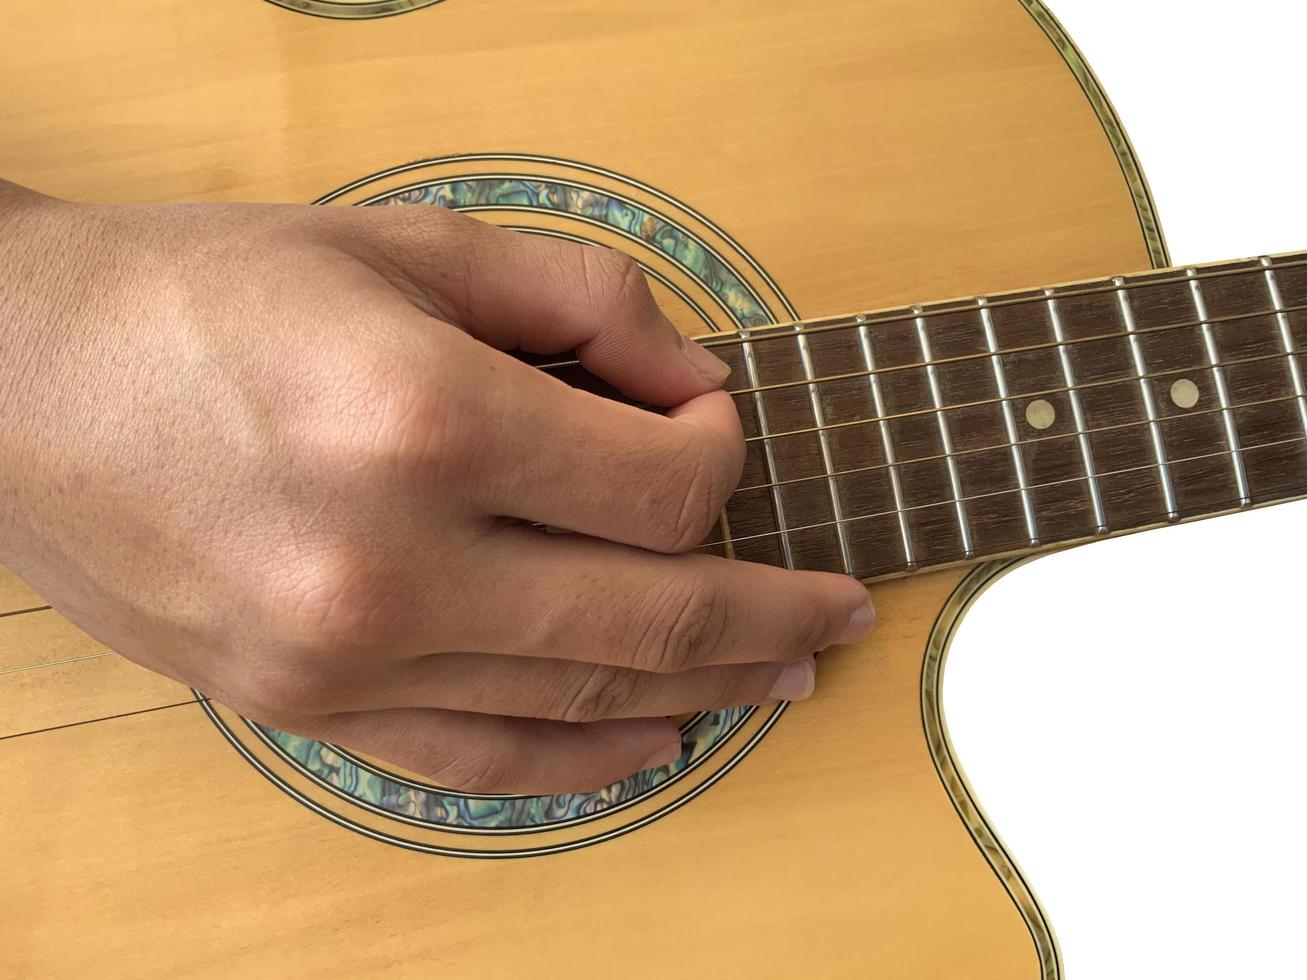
column 280, row 453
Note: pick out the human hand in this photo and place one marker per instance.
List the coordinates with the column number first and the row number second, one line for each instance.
column 278, row 453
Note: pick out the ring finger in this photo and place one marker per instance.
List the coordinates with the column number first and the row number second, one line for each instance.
column 565, row 690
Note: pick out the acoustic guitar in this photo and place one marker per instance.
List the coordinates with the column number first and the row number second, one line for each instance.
column 775, row 168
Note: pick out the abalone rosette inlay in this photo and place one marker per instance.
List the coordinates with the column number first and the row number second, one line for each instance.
column 706, row 282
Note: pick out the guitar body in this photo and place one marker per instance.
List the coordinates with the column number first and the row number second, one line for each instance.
column 764, row 161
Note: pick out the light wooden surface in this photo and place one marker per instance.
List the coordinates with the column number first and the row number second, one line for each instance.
column 15, row 594
column 865, row 153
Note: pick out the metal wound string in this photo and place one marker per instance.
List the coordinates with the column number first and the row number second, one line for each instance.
column 1020, row 443
column 950, row 501
column 782, row 331
column 932, row 410
column 786, row 331
column 986, row 355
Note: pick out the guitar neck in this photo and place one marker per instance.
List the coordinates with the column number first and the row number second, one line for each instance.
column 912, row 438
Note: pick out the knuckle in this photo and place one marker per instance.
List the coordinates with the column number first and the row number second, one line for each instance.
column 811, row 629
column 379, row 416
column 412, row 426
column 288, row 690
column 479, row 769
column 682, row 511
column 614, row 281
column 688, row 623
column 338, row 599
column 745, row 685
column 606, row 692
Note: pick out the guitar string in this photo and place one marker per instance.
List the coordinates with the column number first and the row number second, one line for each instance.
column 951, row 501
column 782, row 331
column 786, row 331
column 1020, row 443
column 779, row 331
column 932, row 410
column 985, row 356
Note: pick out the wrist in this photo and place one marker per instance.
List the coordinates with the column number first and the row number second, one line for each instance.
column 28, row 234
column 32, row 237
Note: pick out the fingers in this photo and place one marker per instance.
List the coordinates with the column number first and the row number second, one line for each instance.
column 526, row 292
column 479, row 753
column 574, row 460
column 540, row 451
column 564, row 690
column 575, row 598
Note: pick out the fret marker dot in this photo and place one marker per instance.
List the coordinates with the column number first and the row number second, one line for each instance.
column 1184, row 393
column 1040, row 414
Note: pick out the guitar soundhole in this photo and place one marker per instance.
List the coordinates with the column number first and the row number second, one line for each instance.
column 706, row 282
column 353, row 9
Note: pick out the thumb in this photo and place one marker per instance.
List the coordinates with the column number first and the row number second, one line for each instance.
column 517, row 291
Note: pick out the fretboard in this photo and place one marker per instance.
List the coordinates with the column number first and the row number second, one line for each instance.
column 905, row 439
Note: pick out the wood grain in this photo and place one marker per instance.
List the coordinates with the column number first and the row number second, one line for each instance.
column 193, row 864
column 867, row 154
column 80, row 692
column 39, row 638
column 15, row 594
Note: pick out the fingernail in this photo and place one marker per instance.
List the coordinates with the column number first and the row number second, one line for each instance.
column 796, row 681
column 665, row 756
column 859, row 624
column 704, row 361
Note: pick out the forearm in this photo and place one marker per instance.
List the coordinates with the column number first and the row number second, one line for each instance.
column 33, row 292
column 29, row 290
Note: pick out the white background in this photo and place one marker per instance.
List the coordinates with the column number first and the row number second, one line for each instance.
column 1130, row 713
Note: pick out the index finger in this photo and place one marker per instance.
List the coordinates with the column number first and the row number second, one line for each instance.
column 517, row 291
column 574, row 460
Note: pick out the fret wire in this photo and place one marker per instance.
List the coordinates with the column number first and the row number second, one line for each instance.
column 948, row 502
column 878, row 402
column 751, row 366
column 1146, row 390
column 1077, row 415
column 1030, row 394
column 960, row 358
column 1286, row 338
column 945, row 438
column 1009, row 423
column 736, row 338
column 823, row 439
column 1033, row 440
column 1222, row 394
column 727, row 340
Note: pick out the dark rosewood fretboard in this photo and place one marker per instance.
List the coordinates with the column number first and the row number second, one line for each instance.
column 892, row 441
column 888, row 442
